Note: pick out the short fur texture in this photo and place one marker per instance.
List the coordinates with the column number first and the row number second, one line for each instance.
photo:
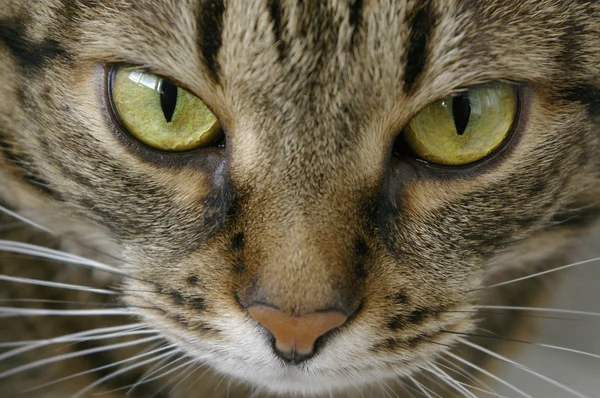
column 307, row 207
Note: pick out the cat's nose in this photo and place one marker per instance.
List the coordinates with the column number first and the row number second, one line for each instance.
column 295, row 336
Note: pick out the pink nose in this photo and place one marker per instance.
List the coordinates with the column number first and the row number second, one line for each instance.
column 295, row 336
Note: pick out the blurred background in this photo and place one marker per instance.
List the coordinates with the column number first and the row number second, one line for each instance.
column 579, row 290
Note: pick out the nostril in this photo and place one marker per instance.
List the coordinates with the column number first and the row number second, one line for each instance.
column 295, row 336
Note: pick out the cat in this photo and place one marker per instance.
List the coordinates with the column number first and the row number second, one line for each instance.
column 317, row 198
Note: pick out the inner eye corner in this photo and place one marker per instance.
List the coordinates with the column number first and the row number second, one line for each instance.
column 180, row 128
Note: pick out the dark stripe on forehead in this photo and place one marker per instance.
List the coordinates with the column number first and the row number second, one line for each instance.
column 30, row 54
column 356, row 8
column 421, row 21
column 210, row 30
column 276, row 19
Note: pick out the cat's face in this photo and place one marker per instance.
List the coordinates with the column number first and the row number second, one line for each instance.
column 309, row 207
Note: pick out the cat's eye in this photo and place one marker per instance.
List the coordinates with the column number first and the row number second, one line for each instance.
column 464, row 128
column 159, row 113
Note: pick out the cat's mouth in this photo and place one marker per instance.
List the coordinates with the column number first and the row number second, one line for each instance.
column 355, row 355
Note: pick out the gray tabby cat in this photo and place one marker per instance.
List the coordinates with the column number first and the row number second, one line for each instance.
column 288, row 196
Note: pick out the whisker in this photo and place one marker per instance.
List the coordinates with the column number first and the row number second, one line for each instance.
column 452, row 367
column 59, row 358
column 65, row 302
column 422, row 388
column 44, row 252
column 117, row 373
column 107, row 336
column 194, row 370
column 80, row 340
column 440, row 383
column 8, row 312
column 550, row 346
column 492, row 393
column 189, row 363
column 525, row 315
column 10, row 226
column 536, row 274
column 489, row 374
column 58, row 285
column 49, row 231
column 449, row 380
column 61, row 339
column 487, row 390
column 82, row 303
column 131, row 387
column 525, row 368
column 382, row 385
column 219, row 383
column 406, row 388
column 198, row 379
column 540, row 309
column 147, row 377
column 25, row 220
column 134, row 358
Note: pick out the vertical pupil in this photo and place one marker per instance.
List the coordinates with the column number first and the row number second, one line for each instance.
column 461, row 110
column 168, row 99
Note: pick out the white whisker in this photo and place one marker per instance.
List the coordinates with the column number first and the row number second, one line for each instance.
column 450, row 380
column 542, row 345
column 153, row 370
column 83, row 391
column 382, row 386
column 49, row 231
column 67, row 338
column 135, row 358
column 538, row 274
column 540, row 309
column 175, row 369
column 406, row 388
column 492, row 393
column 457, row 369
column 147, row 378
column 194, row 370
column 58, row 285
column 489, row 374
column 198, row 379
column 389, row 388
column 6, row 312
column 80, row 339
column 520, row 366
column 422, row 388
column 59, row 358
column 25, row 220
column 48, row 301
column 44, row 252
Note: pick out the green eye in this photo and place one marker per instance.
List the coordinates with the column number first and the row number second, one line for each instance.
column 466, row 128
column 159, row 113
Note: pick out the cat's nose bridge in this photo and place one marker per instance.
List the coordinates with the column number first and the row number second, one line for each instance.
column 302, row 256
column 302, row 271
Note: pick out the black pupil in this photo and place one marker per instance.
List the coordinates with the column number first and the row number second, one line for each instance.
column 461, row 110
column 168, row 99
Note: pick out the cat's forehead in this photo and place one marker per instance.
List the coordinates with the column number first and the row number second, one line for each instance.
column 292, row 48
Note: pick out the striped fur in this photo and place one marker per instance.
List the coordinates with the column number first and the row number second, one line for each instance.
column 307, row 204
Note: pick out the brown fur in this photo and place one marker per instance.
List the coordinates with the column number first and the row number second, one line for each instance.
column 307, row 208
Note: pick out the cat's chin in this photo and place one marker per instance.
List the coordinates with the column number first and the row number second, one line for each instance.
column 308, row 382
column 320, row 376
